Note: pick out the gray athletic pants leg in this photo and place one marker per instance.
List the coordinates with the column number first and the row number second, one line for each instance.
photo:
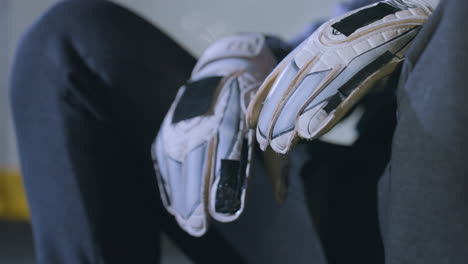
column 424, row 193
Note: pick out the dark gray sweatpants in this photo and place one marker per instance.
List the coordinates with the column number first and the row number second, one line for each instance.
column 424, row 192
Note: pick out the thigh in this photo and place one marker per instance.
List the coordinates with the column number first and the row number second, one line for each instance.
column 424, row 192
column 90, row 86
column 273, row 233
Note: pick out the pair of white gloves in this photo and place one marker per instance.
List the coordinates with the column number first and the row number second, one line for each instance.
column 239, row 94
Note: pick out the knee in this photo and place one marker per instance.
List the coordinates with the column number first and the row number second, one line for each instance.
column 96, row 27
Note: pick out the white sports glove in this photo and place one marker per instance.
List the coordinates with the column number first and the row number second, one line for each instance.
column 328, row 73
column 204, row 147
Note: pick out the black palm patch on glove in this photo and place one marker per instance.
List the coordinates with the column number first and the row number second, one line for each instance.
column 364, row 17
column 197, row 98
column 232, row 183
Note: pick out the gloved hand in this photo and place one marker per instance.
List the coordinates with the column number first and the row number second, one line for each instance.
column 327, row 74
column 204, row 147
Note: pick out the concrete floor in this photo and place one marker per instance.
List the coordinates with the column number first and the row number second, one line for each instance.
column 16, row 246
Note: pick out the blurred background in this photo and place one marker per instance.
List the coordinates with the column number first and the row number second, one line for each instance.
column 194, row 24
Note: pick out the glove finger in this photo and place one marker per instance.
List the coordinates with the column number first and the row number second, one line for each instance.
column 272, row 94
column 227, row 191
column 192, row 186
column 284, row 129
column 255, row 106
column 274, row 98
column 162, row 171
column 183, row 186
column 183, row 151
